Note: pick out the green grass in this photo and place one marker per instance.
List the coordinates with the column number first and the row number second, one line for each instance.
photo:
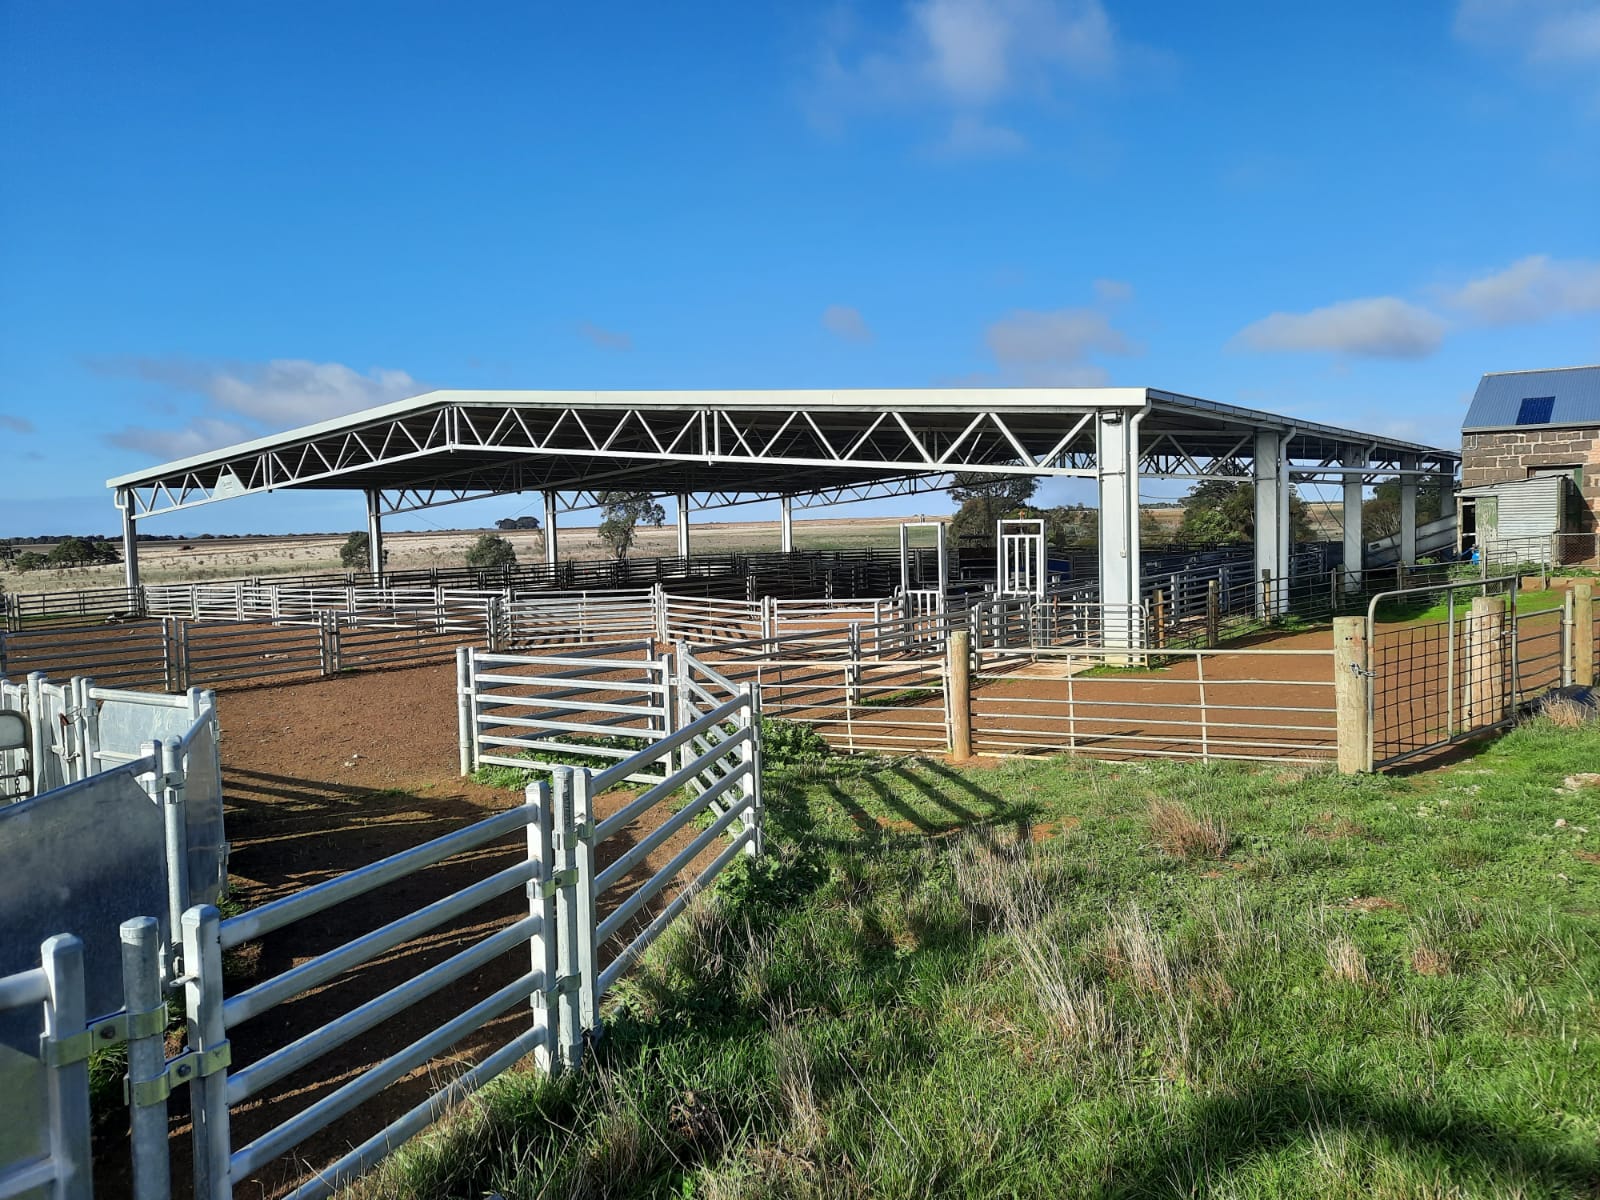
column 1426, row 609
column 1060, row 979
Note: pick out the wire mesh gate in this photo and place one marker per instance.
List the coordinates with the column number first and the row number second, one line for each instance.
column 1435, row 679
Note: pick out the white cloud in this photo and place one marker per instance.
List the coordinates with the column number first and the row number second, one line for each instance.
column 1053, row 348
column 251, row 399
column 963, row 58
column 1540, row 32
column 972, row 136
column 206, row 433
column 845, row 322
column 1378, row 327
column 606, row 339
column 13, row 424
column 1530, row 289
column 1112, row 291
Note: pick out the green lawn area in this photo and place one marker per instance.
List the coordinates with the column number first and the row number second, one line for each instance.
column 1066, row 978
column 1425, row 609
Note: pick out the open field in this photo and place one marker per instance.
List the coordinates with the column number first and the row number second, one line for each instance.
column 312, row 554
column 1091, row 979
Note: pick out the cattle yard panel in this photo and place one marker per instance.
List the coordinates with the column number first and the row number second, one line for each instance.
column 1275, row 705
column 519, row 710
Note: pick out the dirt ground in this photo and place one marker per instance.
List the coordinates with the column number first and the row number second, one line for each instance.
column 325, row 777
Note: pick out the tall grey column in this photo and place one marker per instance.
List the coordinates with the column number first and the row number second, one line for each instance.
column 374, row 532
column 683, row 524
column 1272, row 521
column 1408, row 510
column 550, row 533
column 130, row 540
column 1117, row 474
column 1354, row 546
column 786, row 526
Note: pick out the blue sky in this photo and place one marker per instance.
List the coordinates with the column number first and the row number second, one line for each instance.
column 222, row 220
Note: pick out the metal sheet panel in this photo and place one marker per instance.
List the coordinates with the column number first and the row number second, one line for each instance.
column 1499, row 398
column 81, row 860
column 1531, row 507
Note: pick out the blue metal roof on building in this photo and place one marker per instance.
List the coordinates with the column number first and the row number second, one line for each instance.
column 1563, row 396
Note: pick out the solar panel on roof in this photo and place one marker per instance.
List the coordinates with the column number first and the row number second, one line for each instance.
column 1536, row 410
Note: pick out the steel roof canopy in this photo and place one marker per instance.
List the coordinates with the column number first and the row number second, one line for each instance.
column 446, row 446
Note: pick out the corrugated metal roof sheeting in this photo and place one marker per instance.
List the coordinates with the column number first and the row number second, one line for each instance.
column 1499, row 397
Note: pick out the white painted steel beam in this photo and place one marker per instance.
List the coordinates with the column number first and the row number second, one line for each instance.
column 130, row 540
column 683, row 525
column 449, row 446
column 1272, row 522
column 551, row 533
column 374, row 532
column 1408, row 514
column 1354, row 547
column 785, row 525
column 1117, row 437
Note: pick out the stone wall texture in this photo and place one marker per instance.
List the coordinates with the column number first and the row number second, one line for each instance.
column 1514, row 454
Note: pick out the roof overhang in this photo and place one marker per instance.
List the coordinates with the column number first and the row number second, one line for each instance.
column 730, row 446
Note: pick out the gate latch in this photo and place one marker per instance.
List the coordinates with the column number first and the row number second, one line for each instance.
column 186, row 1068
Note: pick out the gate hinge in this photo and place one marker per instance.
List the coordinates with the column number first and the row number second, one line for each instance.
column 557, row 881
column 111, row 1031
column 1363, row 672
column 186, row 1068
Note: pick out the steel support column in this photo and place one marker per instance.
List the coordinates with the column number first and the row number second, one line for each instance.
column 786, row 526
column 1354, row 545
column 1447, row 493
column 683, row 525
column 1408, row 510
column 551, row 508
column 130, row 540
column 1272, row 522
column 1117, row 436
column 374, row 532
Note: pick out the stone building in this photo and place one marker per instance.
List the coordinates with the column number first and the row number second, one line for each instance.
column 1530, row 466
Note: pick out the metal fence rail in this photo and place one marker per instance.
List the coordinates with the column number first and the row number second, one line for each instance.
column 1180, row 703
column 223, row 1084
column 518, row 710
column 1436, row 681
column 44, row 1071
column 139, row 654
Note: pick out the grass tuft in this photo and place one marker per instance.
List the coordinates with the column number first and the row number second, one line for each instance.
column 1181, row 834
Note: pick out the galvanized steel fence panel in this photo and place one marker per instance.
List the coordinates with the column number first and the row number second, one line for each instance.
column 1182, row 703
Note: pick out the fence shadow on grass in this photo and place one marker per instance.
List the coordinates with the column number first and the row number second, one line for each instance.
column 1224, row 1133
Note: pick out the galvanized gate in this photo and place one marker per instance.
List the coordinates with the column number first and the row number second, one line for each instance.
column 1021, row 563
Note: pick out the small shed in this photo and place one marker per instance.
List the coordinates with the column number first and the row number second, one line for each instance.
column 1518, row 517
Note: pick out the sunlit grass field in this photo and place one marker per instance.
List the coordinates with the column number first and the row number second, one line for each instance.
column 1069, row 978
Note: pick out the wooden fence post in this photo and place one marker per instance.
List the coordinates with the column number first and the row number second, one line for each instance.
column 1351, row 680
column 1583, row 634
column 1486, row 661
column 1213, row 614
column 958, row 692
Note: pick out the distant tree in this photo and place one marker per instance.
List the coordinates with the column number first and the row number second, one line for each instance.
column 490, row 551
column 986, row 500
column 353, row 554
column 1071, row 525
column 507, row 524
column 621, row 514
column 1380, row 515
column 72, row 552
column 1222, row 512
column 31, row 560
